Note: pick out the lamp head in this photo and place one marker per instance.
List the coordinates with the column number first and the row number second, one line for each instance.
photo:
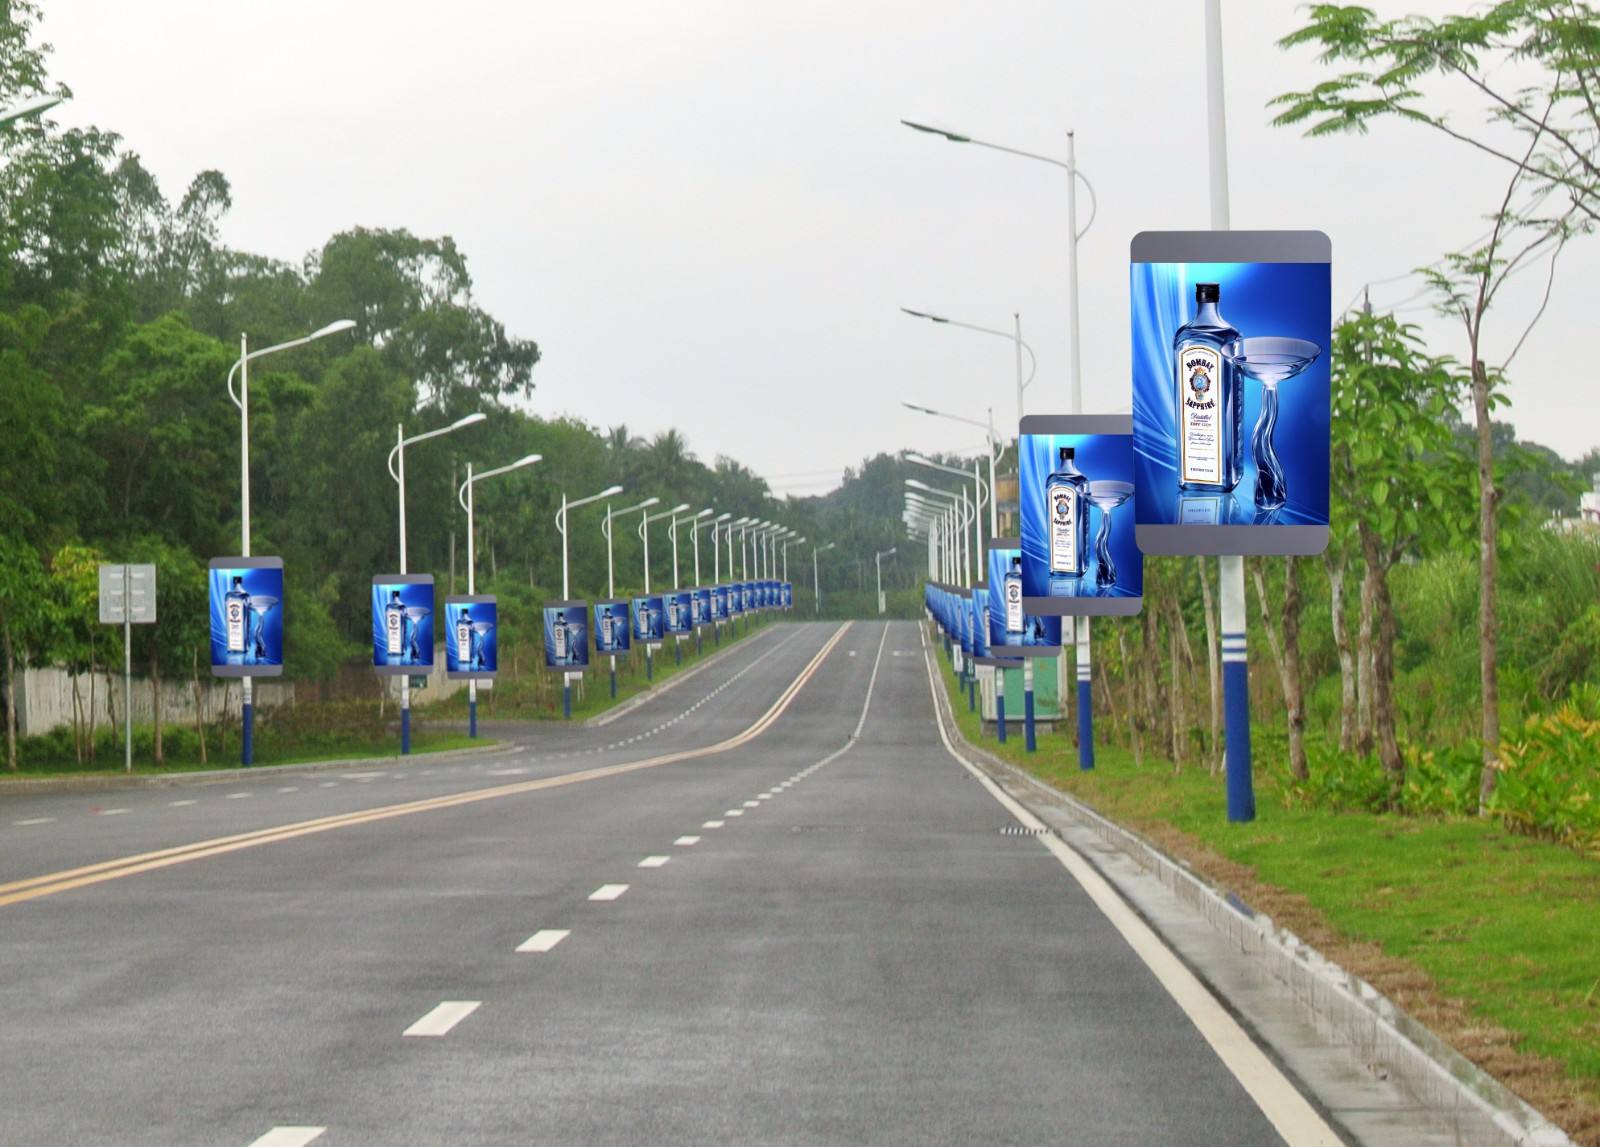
column 527, row 460
column 679, row 508
column 609, row 491
column 333, row 328
column 953, row 137
column 925, row 315
column 723, row 517
column 653, row 500
column 479, row 416
column 704, row 512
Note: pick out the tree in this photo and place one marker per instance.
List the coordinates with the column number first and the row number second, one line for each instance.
column 27, row 614
column 1543, row 132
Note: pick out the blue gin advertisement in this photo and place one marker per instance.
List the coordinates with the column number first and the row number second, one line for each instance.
column 471, row 647
column 649, row 619
column 402, row 623
column 566, row 635
column 680, row 607
column 1013, row 631
column 611, row 627
column 246, row 617
column 1075, row 492
column 788, row 595
column 719, row 603
column 747, row 596
column 735, row 600
column 700, row 613
column 1231, row 334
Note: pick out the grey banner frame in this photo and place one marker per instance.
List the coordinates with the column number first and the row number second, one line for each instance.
column 1017, row 651
column 575, row 670
column 469, row 599
column 1171, row 539
column 241, row 563
column 404, row 579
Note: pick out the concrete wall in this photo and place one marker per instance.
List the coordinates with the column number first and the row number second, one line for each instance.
column 44, row 698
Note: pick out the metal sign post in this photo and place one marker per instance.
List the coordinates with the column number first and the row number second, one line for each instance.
column 128, row 598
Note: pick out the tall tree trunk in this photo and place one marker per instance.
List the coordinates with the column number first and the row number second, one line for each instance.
column 1213, row 666
column 1176, row 702
column 1383, row 664
column 1364, row 697
column 94, row 683
column 1274, row 642
column 1294, row 694
column 1488, row 621
column 199, row 707
column 155, row 705
column 77, row 721
column 1133, row 693
column 11, row 695
column 1341, row 642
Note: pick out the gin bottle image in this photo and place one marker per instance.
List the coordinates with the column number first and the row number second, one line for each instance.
column 607, row 637
column 394, row 627
column 464, row 638
column 1013, row 592
column 1067, row 513
column 236, row 611
column 1209, row 396
column 559, row 629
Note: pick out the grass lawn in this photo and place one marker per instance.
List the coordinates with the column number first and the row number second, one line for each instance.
column 536, row 695
column 1491, row 939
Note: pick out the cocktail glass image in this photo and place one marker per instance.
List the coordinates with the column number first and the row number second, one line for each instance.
column 414, row 616
column 480, row 638
column 255, row 646
column 1269, row 361
column 1106, row 496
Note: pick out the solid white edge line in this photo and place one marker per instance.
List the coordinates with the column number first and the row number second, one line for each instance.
column 544, row 939
column 442, row 1018
column 1289, row 1112
column 608, row 892
column 288, row 1137
column 34, row 820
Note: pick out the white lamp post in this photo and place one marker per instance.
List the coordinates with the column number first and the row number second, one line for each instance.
column 996, row 451
column 977, row 494
column 1015, row 338
column 28, row 108
column 791, row 540
column 566, row 591
column 672, row 531
column 644, row 532
column 397, row 471
column 961, row 499
column 878, row 562
column 464, row 496
column 611, row 577
column 816, row 577
column 242, row 401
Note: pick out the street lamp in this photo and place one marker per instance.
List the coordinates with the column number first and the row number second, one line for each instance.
column 918, row 484
column 464, row 496
column 878, row 561
column 977, row 493
column 950, row 535
column 1070, row 166
column 28, row 108
column 242, row 401
column 816, row 578
column 561, row 526
column 397, row 471
column 791, row 540
column 996, row 450
column 611, row 578
column 716, row 553
column 672, row 532
column 644, row 532
column 1016, row 338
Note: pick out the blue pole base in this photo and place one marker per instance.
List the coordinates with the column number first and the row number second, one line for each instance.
column 566, row 702
column 972, row 693
column 1085, row 726
column 1236, row 713
column 405, row 731
column 247, row 748
column 472, row 718
column 613, row 684
column 1028, row 738
column 1000, row 716
column 677, row 653
column 649, row 666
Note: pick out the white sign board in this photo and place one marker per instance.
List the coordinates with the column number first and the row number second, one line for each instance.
column 140, row 586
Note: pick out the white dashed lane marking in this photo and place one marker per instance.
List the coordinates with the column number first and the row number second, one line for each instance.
column 33, row 820
column 113, row 811
column 654, row 861
column 289, row 789
column 240, row 796
column 289, row 1137
column 608, row 892
column 444, row 1017
column 686, row 841
column 734, row 812
column 713, row 824
column 544, row 939
column 181, row 804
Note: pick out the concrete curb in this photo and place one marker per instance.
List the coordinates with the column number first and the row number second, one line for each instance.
column 29, row 787
column 1475, row 1106
column 666, row 686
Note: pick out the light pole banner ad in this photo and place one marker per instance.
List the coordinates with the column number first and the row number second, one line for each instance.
column 679, row 606
column 1013, row 631
column 402, row 624
column 735, row 600
column 982, row 652
column 471, row 643
column 719, row 603
column 788, row 595
column 747, row 596
column 611, row 629
column 1075, row 491
column 566, row 635
column 1231, row 334
column 246, row 617
column 649, row 619
column 701, row 607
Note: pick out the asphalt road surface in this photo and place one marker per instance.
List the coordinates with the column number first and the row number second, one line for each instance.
column 767, row 906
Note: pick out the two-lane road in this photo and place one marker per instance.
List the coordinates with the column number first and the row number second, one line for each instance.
column 768, row 906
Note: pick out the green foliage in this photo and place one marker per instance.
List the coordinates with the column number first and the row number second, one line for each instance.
column 1549, row 781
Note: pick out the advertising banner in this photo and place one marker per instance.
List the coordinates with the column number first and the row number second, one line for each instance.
column 1013, row 631
column 471, row 646
column 649, row 619
column 719, row 603
column 701, row 611
column 982, row 652
column 1231, row 333
column 611, row 629
column 680, row 607
column 402, row 624
column 566, row 635
column 246, row 617
column 746, row 596
column 735, row 600
column 788, row 595
column 1075, row 493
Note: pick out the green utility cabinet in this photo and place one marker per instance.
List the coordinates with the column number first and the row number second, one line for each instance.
column 1047, row 677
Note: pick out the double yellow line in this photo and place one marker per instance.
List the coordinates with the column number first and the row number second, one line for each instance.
column 52, row 883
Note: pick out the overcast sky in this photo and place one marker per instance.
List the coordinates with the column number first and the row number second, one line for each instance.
column 707, row 213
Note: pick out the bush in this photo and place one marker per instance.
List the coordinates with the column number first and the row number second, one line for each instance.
column 1549, row 783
